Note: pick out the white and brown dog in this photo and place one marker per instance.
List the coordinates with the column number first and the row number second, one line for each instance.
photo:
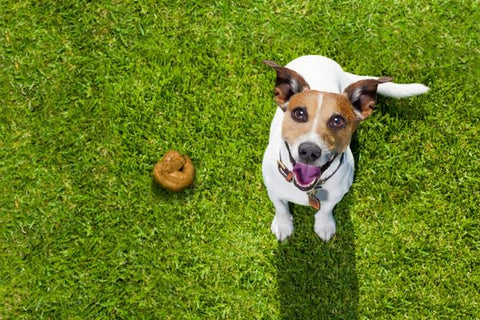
column 308, row 160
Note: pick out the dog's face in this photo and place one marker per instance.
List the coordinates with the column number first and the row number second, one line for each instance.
column 319, row 125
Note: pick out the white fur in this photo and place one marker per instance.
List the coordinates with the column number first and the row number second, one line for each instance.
column 322, row 74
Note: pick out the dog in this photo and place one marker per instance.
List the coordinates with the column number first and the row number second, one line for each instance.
column 308, row 160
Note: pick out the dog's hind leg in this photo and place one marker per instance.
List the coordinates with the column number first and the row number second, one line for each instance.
column 282, row 224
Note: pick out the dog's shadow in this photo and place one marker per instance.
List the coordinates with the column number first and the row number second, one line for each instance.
column 318, row 280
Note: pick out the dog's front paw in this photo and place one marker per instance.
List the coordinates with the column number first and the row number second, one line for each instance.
column 325, row 227
column 282, row 226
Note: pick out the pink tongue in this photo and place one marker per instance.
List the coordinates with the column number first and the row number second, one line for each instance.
column 305, row 174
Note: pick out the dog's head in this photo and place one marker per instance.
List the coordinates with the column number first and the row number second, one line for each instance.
column 318, row 125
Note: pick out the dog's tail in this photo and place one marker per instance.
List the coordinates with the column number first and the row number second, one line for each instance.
column 391, row 89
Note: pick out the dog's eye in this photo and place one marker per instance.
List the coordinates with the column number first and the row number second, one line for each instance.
column 300, row 115
column 337, row 122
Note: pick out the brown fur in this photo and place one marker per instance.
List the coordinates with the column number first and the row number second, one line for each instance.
column 366, row 96
column 331, row 104
column 355, row 104
column 288, row 83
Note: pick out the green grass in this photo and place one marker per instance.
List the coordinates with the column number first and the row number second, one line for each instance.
column 94, row 93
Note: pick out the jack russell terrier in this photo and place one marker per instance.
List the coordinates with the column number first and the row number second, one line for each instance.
column 308, row 160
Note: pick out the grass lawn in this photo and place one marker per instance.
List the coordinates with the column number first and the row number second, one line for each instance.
column 93, row 93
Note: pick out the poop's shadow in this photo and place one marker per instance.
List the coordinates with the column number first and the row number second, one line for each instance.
column 318, row 280
column 176, row 197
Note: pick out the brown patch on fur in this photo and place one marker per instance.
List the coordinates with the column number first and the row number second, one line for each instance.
column 332, row 104
column 336, row 140
column 291, row 129
column 363, row 95
column 287, row 84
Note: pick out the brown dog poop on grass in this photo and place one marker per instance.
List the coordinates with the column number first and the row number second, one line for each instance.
column 174, row 172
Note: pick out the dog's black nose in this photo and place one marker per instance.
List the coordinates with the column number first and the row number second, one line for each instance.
column 309, row 152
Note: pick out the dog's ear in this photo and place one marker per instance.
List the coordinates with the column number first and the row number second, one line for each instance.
column 287, row 84
column 363, row 95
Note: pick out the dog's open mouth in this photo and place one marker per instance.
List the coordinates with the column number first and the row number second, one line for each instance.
column 306, row 176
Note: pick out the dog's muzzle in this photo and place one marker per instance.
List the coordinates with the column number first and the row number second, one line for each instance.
column 304, row 176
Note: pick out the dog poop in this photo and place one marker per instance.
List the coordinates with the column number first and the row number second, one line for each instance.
column 174, row 172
